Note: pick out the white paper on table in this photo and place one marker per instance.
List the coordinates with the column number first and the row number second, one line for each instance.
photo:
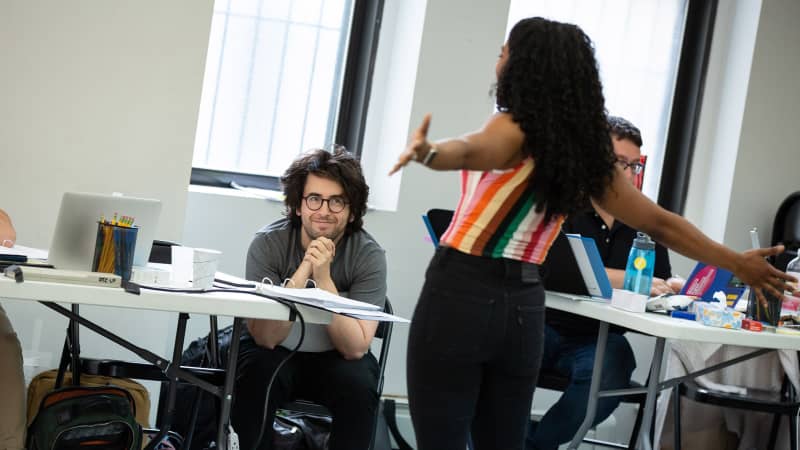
column 315, row 297
column 368, row 315
column 232, row 281
column 29, row 252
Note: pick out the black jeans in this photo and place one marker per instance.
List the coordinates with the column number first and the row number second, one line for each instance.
column 474, row 351
column 347, row 388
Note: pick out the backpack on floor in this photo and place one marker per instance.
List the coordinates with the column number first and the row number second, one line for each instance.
column 46, row 381
column 80, row 417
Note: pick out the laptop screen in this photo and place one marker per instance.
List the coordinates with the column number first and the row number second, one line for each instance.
column 75, row 234
column 560, row 270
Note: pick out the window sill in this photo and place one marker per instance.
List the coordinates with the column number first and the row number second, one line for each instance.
column 262, row 194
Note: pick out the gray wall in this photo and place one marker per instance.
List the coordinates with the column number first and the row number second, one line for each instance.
column 768, row 161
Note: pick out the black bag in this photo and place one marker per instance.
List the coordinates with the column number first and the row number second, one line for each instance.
column 294, row 430
column 79, row 417
column 205, row 429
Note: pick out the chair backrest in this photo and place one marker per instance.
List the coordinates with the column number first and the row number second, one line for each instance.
column 384, row 333
column 439, row 220
column 786, row 227
column 786, row 230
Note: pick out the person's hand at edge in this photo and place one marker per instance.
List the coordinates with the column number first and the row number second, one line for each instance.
column 418, row 146
column 8, row 235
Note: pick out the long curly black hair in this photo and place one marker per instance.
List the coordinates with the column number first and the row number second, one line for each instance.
column 551, row 87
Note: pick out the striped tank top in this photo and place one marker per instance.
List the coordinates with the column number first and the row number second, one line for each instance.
column 496, row 217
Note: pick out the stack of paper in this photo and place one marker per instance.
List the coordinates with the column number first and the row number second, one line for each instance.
column 22, row 251
column 322, row 299
column 315, row 297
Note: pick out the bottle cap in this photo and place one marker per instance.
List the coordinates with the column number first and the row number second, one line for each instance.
column 643, row 242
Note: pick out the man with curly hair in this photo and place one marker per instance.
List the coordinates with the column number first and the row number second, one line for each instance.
column 320, row 242
column 570, row 339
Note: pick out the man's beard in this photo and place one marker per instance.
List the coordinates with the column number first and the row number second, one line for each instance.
column 333, row 234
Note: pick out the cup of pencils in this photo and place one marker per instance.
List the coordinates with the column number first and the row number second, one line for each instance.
column 113, row 250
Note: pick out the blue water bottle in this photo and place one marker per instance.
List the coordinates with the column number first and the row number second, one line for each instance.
column 641, row 262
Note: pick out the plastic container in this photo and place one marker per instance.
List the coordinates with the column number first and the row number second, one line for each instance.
column 793, row 268
column 114, row 247
column 641, row 263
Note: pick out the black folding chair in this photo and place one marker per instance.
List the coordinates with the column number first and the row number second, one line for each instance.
column 779, row 404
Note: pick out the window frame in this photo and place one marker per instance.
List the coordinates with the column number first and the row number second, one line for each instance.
column 687, row 99
column 351, row 114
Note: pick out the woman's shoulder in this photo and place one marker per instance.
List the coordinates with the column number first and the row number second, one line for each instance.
column 503, row 120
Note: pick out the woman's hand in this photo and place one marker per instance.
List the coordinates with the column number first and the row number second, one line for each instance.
column 418, row 146
column 756, row 272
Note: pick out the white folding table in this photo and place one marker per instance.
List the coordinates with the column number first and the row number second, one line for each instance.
column 662, row 327
column 239, row 305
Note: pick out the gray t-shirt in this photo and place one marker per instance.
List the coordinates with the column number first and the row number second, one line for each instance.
column 358, row 270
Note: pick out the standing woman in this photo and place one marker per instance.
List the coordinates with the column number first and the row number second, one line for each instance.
column 475, row 343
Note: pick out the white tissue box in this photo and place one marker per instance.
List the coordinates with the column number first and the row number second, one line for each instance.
column 194, row 267
column 629, row 301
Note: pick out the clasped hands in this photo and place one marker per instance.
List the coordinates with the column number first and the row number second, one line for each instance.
column 318, row 258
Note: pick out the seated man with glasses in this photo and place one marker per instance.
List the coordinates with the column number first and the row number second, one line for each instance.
column 319, row 243
column 570, row 339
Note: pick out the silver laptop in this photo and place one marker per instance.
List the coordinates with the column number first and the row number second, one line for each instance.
column 76, row 227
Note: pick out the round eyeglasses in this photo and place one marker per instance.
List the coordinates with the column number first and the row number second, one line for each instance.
column 335, row 204
column 636, row 166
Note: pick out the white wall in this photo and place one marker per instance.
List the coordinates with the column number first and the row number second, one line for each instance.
column 769, row 155
column 747, row 155
column 97, row 96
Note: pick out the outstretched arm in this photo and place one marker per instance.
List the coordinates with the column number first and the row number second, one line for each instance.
column 497, row 145
column 623, row 201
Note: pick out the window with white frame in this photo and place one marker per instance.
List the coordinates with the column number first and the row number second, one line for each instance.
column 276, row 72
column 637, row 45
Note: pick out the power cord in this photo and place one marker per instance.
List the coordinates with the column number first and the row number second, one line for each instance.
column 262, row 429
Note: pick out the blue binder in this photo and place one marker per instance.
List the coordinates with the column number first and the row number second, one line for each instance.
column 591, row 266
